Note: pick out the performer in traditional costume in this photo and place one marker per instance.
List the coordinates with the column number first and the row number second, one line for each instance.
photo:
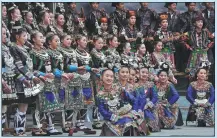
column 87, row 95
column 43, row 18
column 42, row 68
column 14, row 15
column 128, row 57
column 130, row 33
column 145, row 87
column 166, row 106
column 75, row 22
column 146, row 21
column 167, row 39
column 29, row 21
column 99, row 61
column 115, row 107
column 9, row 73
column 59, row 20
column 104, row 32
column 198, row 42
column 201, row 95
column 118, row 17
column 157, row 58
column 26, row 80
column 112, row 56
column 93, row 19
column 66, row 97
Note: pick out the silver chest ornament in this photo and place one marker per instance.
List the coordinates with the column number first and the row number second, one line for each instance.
column 201, row 94
column 84, row 59
column 59, row 57
column 70, row 54
column 113, row 104
column 161, row 93
column 29, row 63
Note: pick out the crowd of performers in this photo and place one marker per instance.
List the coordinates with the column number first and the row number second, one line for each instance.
column 120, row 65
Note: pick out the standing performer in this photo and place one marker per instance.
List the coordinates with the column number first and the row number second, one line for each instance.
column 130, row 33
column 9, row 73
column 44, row 20
column 174, row 27
column 201, row 95
column 167, row 97
column 99, row 61
column 167, row 38
column 198, row 42
column 112, row 56
column 59, row 20
column 93, row 19
column 42, row 69
column 14, row 15
column 146, row 20
column 119, row 16
column 87, row 98
column 70, row 102
column 26, row 80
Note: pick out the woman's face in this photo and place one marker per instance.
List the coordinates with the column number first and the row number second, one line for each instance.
column 39, row 40
column 67, row 41
column 132, row 20
column 16, row 15
column 4, row 36
column 99, row 44
column 124, row 74
column 114, row 42
column 143, row 74
column 163, row 77
column 29, row 18
column 142, row 49
column 202, row 74
column 127, row 48
column 199, row 24
column 108, row 77
column 82, row 42
column 22, row 38
column 132, row 77
column 4, row 11
column 159, row 46
column 164, row 23
column 60, row 20
column 47, row 18
column 55, row 42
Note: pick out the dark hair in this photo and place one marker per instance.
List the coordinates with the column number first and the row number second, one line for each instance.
column 49, row 37
column 34, row 36
column 103, row 71
column 124, row 67
column 95, row 38
column 57, row 15
column 110, row 38
column 156, row 42
column 41, row 16
column 198, row 70
column 17, row 32
column 64, row 36
column 11, row 11
column 78, row 37
column 144, row 67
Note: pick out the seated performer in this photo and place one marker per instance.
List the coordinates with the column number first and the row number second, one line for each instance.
column 201, row 95
column 114, row 105
column 167, row 97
